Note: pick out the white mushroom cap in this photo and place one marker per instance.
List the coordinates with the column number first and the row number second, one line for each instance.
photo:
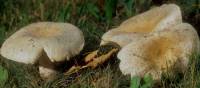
column 156, row 19
column 160, row 51
column 59, row 41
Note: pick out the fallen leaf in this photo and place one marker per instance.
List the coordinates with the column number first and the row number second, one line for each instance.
column 100, row 60
column 90, row 56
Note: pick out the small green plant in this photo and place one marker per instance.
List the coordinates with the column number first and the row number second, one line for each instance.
column 3, row 76
column 146, row 82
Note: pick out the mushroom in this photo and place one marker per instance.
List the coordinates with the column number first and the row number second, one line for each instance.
column 160, row 52
column 152, row 41
column 156, row 19
column 140, row 26
column 46, row 43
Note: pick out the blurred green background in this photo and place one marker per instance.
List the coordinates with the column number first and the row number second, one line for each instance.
column 93, row 17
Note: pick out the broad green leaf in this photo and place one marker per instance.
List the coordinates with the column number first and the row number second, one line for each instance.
column 148, row 81
column 147, row 78
column 135, row 82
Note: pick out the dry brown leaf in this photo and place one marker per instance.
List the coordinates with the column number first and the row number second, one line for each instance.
column 90, row 56
column 100, row 60
column 91, row 61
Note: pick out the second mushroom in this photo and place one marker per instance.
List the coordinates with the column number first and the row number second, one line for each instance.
column 152, row 42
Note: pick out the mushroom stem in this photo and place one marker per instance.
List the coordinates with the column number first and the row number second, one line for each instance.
column 47, row 73
column 47, row 69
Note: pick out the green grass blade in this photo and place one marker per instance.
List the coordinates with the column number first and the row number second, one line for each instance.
column 3, row 76
column 92, row 9
column 2, row 34
column 110, row 7
column 129, row 7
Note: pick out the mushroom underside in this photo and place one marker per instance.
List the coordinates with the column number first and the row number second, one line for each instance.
column 48, row 69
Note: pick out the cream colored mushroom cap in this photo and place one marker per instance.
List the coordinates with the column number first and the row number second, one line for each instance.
column 153, row 20
column 59, row 41
column 160, row 51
